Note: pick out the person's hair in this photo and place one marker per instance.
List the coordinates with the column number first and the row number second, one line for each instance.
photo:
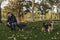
column 43, row 22
column 9, row 12
column 12, row 14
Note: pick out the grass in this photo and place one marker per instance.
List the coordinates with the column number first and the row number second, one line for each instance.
column 32, row 32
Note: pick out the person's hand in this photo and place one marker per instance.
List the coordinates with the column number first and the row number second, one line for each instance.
column 8, row 23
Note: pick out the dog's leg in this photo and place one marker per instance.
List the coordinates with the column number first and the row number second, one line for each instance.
column 22, row 29
column 52, row 25
column 43, row 29
column 49, row 29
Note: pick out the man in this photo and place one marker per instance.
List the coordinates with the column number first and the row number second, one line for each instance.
column 11, row 21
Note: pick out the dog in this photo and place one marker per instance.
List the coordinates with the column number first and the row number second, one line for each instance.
column 21, row 25
column 48, row 27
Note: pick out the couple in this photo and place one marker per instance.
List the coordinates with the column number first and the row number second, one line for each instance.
column 12, row 22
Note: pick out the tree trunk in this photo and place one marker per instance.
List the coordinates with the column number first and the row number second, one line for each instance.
column 0, row 13
column 33, row 18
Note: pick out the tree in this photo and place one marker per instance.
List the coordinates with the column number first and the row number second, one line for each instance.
column 17, row 7
column 33, row 18
column 0, row 11
column 43, row 6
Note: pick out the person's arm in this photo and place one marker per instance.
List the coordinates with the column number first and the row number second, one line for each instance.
column 15, row 19
column 7, row 22
column 8, row 19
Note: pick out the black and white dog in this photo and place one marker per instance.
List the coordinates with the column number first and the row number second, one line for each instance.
column 21, row 25
column 48, row 27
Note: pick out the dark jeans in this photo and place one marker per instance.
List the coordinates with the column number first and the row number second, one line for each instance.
column 12, row 26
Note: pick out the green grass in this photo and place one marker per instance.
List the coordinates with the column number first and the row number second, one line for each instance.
column 32, row 32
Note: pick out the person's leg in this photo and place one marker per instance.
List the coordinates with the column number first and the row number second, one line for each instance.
column 13, row 26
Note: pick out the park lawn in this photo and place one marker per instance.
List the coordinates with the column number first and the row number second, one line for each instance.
column 32, row 32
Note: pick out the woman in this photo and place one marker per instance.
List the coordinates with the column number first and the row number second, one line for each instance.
column 11, row 21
